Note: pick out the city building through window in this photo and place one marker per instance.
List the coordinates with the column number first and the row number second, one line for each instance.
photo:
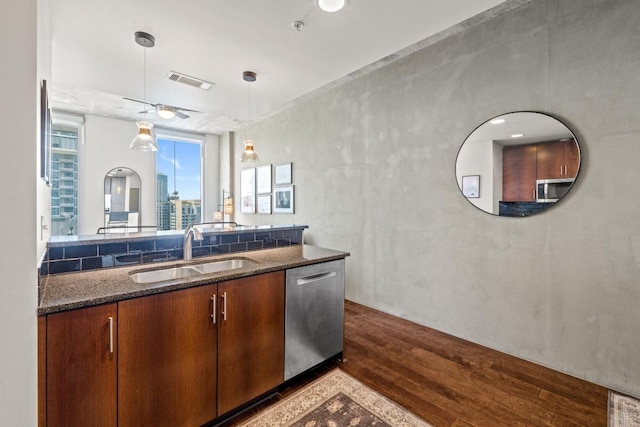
column 178, row 184
column 64, row 179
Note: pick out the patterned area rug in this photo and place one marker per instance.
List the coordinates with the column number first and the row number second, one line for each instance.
column 624, row 411
column 335, row 400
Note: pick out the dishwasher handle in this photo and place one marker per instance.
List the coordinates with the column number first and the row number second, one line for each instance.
column 315, row 278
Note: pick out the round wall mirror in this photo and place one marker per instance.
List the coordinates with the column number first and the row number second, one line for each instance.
column 518, row 164
column 121, row 199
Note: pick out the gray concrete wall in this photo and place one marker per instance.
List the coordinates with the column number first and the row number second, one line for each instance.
column 374, row 170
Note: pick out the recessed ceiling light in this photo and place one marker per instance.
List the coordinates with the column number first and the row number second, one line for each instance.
column 331, row 5
column 517, row 135
column 497, row 121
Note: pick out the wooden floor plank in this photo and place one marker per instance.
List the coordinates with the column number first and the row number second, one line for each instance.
column 488, row 387
column 451, row 382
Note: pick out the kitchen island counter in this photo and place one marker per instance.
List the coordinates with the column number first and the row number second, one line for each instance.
column 68, row 291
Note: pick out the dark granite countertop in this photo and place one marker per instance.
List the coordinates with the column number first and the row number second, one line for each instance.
column 87, row 288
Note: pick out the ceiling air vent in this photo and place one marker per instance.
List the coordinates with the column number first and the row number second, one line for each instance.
column 189, row 81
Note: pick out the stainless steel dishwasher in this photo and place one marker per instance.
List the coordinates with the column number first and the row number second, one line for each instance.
column 314, row 315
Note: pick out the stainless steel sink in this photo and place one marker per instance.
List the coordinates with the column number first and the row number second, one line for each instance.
column 191, row 270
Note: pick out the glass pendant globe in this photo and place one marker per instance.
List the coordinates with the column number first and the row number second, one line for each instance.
column 248, row 155
column 144, row 141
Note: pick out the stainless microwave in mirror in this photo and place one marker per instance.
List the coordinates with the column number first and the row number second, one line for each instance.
column 552, row 190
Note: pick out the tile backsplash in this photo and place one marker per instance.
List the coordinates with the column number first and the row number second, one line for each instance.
column 80, row 256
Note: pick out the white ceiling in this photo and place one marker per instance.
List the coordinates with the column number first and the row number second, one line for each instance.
column 95, row 60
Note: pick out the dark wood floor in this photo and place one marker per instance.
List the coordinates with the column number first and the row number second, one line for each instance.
column 452, row 382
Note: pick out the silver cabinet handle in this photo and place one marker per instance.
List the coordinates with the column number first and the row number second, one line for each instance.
column 315, row 278
column 224, row 306
column 213, row 313
column 110, row 334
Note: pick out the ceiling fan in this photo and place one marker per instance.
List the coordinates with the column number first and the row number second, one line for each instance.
column 165, row 111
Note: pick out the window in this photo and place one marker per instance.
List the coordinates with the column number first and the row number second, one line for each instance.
column 64, row 178
column 178, row 183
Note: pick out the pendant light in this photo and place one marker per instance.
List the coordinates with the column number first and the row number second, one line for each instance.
column 249, row 155
column 144, row 141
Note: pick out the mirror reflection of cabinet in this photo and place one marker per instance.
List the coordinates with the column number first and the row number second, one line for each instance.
column 121, row 199
column 519, row 173
column 558, row 159
column 522, row 165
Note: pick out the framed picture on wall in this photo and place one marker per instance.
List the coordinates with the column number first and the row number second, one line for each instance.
column 263, row 179
column 283, row 199
column 282, row 174
column 248, row 191
column 264, row 203
column 471, row 186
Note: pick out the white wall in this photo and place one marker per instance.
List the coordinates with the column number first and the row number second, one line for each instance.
column 211, row 196
column 19, row 219
column 106, row 146
column 374, row 161
column 477, row 158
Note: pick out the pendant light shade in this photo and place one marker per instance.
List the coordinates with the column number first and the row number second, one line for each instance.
column 144, row 141
column 248, row 155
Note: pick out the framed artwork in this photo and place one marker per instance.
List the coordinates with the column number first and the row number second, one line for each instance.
column 264, row 203
column 263, row 179
column 471, row 186
column 283, row 199
column 45, row 135
column 282, row 174
column 248, row 191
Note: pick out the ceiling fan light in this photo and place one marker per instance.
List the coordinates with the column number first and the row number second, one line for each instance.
column 331, row 5
column 249, row 155
column 144, row 140
column 165, row 111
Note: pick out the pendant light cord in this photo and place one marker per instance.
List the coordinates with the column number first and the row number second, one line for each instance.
column 144, row 81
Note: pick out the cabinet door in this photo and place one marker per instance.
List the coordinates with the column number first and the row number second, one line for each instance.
column 81, row 367
column 167, row 359
column 571, row 159
column 251, row 338
column 551, row 160
column 519, row 173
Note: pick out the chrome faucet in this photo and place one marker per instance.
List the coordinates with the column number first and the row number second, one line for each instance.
column 197, row 235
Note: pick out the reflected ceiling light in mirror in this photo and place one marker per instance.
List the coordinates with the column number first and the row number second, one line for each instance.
column 497, row 121
column 331, row 5
column 249, row 155
column 144, row 140
column 165, row 111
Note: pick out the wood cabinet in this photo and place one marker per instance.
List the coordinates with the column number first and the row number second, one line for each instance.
column 519, row 173
column 251, row 338
column 81, row 367
column 167, row 359
column 178, row 358
column 560, row 159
